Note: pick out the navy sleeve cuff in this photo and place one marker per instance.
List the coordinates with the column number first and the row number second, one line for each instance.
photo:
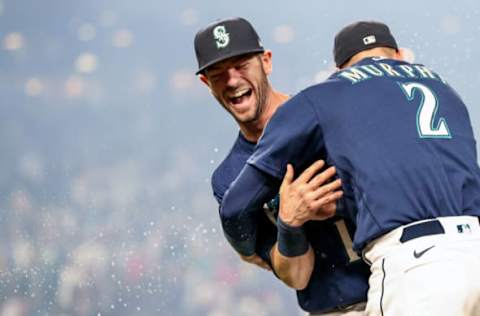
column 243, row 247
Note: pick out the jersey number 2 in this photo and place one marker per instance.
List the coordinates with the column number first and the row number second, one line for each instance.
column 426, row 111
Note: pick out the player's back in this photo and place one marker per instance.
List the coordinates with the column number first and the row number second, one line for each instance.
column 401, row 140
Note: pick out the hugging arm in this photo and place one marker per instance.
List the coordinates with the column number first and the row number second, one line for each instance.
column 309, row 197
column 239, row 213
column 242, row 204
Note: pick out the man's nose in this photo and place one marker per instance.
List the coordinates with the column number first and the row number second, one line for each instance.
column 232, row 76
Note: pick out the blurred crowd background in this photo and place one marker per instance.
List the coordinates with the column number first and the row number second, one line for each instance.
column 108, row 140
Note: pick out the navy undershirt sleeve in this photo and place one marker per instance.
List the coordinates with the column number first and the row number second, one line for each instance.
column 241, row 207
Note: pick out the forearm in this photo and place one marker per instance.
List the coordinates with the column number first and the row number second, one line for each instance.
column 241, row 207
column 292, row 256
column 293, row 271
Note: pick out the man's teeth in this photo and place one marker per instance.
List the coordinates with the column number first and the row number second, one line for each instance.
column 239, row 93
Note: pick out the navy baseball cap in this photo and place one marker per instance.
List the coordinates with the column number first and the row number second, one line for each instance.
column 223, row 39
column 360, row 36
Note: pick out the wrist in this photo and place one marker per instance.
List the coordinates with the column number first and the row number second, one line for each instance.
column 292, row 240
column 289, row 220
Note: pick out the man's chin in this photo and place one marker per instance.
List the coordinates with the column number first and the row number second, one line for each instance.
column 246, row 119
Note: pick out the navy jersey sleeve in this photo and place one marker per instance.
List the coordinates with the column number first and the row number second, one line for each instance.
column 241, row 205
column 217, row 188
column 293, row 135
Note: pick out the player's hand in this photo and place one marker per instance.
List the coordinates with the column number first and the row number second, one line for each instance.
column 256, row 260
column 309, row 197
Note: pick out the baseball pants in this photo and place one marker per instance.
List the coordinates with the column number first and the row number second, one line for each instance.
column 427, row 268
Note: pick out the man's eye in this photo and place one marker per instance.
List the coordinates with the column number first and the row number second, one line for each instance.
column 242, row 65
column 215, row 77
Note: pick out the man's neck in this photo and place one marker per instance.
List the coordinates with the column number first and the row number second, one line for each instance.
column 374, row 52
column 253, row 131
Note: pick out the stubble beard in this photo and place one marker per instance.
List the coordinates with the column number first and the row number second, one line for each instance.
column 261, row 99
column 260, row 104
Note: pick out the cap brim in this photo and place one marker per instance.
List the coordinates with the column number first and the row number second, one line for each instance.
column 227, row 56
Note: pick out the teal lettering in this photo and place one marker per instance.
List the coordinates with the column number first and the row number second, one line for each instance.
column 389, row 70
column 354, row 75
column 425, row 72
column 408, row 70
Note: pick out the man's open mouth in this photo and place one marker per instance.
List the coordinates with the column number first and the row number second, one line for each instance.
column 240, row 96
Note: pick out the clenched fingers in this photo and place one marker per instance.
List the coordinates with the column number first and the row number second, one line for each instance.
column 326, row 205
column 326, row 188
column 323, row 177
column 311, row 171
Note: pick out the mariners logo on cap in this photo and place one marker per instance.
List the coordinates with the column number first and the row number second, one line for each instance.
column 222, row 38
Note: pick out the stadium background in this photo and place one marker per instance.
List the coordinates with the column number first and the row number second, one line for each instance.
column 107, row 142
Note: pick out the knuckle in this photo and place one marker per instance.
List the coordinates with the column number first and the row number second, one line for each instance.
column 302, row 191
column 307, row 196
column 316, row 180
column 331, row 187
column 322, row 191
column 310, row 208
column 324, row 177
column 324, row 201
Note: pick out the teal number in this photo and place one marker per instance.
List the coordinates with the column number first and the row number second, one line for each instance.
column 426, row 111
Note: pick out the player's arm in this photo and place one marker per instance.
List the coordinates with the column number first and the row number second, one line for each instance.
column 292, row 135
column 306, row 198
column 309, row 197
column 241, row 207
column 256, row 259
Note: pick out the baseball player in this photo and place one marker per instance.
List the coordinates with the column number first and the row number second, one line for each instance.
column 329, row 277
column 401, row 140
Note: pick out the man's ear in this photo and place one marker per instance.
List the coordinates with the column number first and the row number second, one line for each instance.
column 204, row 79
column 406, row 55
column 267, row 61
column 400, row 54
